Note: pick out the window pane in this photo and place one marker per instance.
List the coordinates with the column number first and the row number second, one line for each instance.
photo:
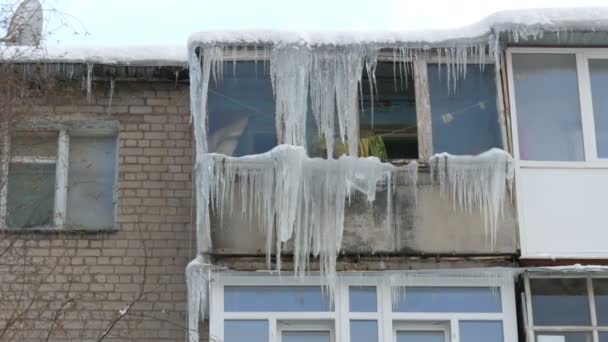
column 275, row 298
column 362, row 299
column 600, row 289
column 250, row 331
column 91, row 182
column 394, row 117
column 598, row 69
column 34, row 144
column 363, row 331
column 420, row 336
column 448, row 299
column 564, row 337
column 481, row 331
column 604, row 337
column 31, row 195
column 242, row 110
column 306, row 336
column 560, row 302
column 464, row 118
column 548, row 108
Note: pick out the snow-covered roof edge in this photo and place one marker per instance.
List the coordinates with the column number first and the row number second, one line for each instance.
column 150, row 55
column 523, row 23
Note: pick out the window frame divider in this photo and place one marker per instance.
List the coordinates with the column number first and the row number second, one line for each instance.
column 61, row 179
column 423, row 108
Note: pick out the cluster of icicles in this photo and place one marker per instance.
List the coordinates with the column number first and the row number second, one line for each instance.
column 301, row 199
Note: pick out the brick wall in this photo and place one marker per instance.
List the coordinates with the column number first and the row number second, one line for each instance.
column 71, row 287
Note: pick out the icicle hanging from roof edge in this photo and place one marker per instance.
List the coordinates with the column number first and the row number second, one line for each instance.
column 289, row 72
column 198, row 275
column 112, row 81
column 208, row 63
column 476, row 182
column 89, row 81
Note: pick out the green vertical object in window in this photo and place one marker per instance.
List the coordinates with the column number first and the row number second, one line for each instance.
column 31, row 195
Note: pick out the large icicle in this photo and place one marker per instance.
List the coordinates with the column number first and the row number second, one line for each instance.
column 299, row 198
column 198, row 274
column 476, row 182
column 207, row 61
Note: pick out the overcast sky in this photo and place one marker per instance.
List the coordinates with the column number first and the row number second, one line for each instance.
column 126, row 22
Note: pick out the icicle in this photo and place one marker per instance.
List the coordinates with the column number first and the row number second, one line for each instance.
column 289, row 72
column 176, row 78
column 202, row 67
column 476, row 182
column 111, row 96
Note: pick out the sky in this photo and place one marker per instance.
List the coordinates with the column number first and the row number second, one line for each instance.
column 151, row 22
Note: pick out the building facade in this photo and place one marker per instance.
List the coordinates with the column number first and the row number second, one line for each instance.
column 288, row 187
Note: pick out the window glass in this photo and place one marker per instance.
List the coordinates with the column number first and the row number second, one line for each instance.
column 91, row 182
column 604, row 337
column 306, row 336
column 548, row 107
column 420, row 336
column 481, row 331
column 564, row 337
column 464, row 117
column 363, row 331
column 275, row 299
column 41, row 144
column 394, row 122
column 31, row 195
column 241, row 109
column 241, row 330
column 448, row 299
column 600, row 289
column 598, row 69
column 362, row 299
column 560, row 302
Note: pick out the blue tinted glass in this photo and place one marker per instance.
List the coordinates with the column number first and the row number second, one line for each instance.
column 250, row 331
column 275, row 299
column 449, row 299
column 363, row 331
column 560, row 302
column 598, row 70
column 420, row 336
column 604, row 337
column 565, row 337
column 481, row 331
column 600, row 289
column 548, row 108
column 362, row 299
column 306, row 336
column 242, row 111
column 464, row 118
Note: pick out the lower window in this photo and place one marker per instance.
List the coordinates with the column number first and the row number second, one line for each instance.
column 373, row 308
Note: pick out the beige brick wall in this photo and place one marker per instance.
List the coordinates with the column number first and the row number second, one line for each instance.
column 70, row 287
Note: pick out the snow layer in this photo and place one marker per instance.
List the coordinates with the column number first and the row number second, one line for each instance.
column 478, row 182
column 521, row 23
column 160, row 55
column 296, row 197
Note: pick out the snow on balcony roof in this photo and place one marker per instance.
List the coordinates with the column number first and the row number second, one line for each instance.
column 523, row 23
column 161, row 55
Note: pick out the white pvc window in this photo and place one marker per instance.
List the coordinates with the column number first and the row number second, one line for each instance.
column 363, row 309
column 60, row 179
column 566, row 309
column 558, row 105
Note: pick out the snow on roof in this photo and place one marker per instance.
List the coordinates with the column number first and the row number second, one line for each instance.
column 524, row 23
column 161, row 55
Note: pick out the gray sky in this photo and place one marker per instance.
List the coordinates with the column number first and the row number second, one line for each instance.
column 126, row 22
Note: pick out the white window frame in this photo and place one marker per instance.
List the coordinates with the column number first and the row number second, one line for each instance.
column 61, row 174
column 582, row 55
column 341, row 317
column 532, row 330
column 290, row 325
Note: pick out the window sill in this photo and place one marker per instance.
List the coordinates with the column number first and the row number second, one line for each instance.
column 58, row 229
column 592, row 164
